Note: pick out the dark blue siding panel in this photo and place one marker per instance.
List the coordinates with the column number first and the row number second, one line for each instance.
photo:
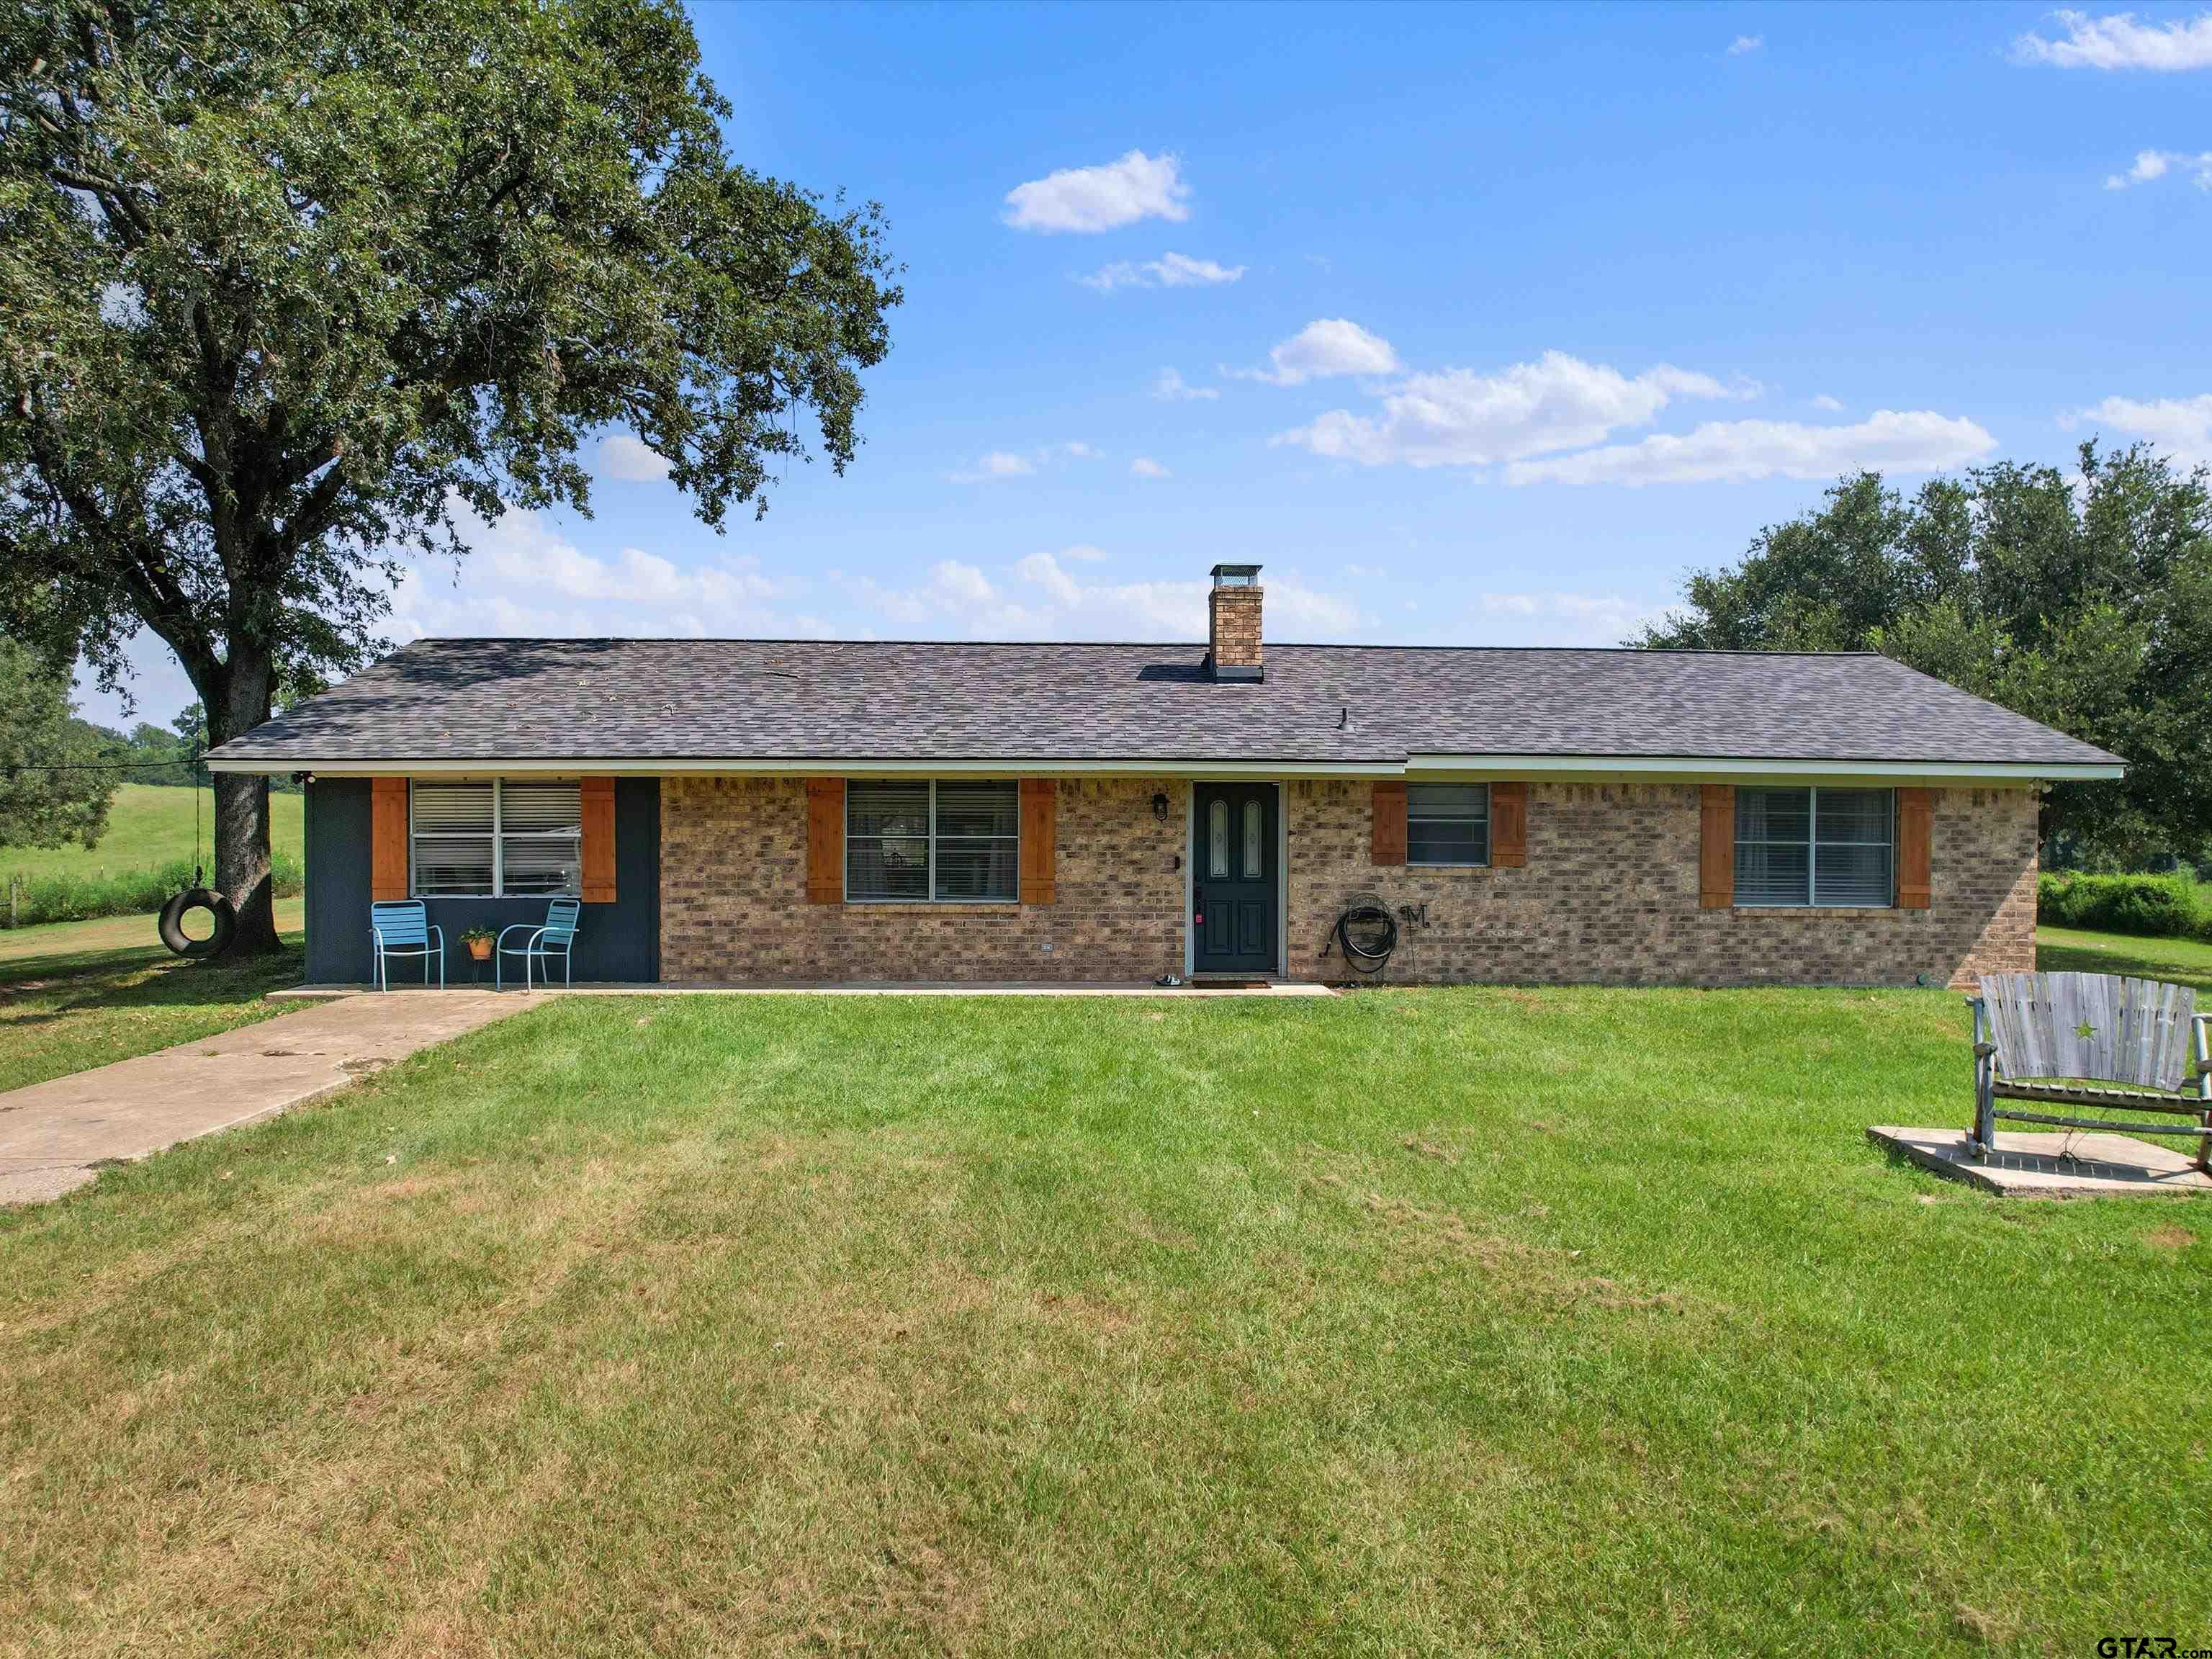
column 619, row 942
column 338, row 881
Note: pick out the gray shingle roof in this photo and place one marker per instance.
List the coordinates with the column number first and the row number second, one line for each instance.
column 762, row 700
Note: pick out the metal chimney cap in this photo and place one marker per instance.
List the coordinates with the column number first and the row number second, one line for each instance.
column 1236, row 575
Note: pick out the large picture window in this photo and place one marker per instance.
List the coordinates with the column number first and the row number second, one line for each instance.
column 954, row 842
column 1447, row 823
column 496, row 838
column 1824, row 847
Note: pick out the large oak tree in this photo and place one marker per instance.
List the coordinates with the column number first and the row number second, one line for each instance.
column 290, row 287
column 2081, row 598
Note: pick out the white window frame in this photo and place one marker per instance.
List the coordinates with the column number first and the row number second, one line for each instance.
column 498, row 838
column 1484, row 863
column 1812, row 900
column 929, row 839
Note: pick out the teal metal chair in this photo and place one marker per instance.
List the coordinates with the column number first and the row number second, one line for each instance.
column 557, row 937
column 402, row 927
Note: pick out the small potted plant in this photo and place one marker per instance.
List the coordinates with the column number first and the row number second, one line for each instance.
column 479, row 941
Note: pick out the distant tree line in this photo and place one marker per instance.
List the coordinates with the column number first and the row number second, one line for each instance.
column 2081, row 598
column 59, row 772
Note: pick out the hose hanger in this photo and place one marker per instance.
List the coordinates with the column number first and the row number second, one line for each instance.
column 1367, row 932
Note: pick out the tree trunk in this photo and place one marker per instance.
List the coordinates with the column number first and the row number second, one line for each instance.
column 241, row 808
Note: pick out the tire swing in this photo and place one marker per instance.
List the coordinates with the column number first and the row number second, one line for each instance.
column 197, row 897
column 171, row 924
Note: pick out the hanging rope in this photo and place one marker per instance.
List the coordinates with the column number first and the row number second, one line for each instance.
column 198, row 896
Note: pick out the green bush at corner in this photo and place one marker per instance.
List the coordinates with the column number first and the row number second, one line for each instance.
column 2164, row 907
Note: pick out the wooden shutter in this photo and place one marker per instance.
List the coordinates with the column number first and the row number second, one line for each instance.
column 1916, row 819
column 387, row 839
column 1717, row 846
column 1508, row 825
column 1389, row 824
column 825, row 840
column 1040, row 831
column 598, row 802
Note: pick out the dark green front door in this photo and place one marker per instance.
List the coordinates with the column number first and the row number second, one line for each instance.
column 1234, row 872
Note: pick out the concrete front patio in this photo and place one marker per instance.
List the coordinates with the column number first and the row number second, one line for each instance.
column 1283, row 988
column 59, row 1134
column 2080, row 1164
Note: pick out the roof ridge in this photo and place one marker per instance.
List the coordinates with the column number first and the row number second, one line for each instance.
column 1113, row 644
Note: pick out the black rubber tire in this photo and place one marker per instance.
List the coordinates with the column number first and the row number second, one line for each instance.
column 199, row 898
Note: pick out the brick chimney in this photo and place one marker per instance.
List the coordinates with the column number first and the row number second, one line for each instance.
column 1232, row 623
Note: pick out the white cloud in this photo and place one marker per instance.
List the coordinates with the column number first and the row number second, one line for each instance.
column 1089, row 199
column 1914, row 440
column 522, row 577
column 622, row 456
column 1009, row 464
column 1146, row 467
column 1830, row 405
column 1172, row 388
column 1552, row 618
column 1327, row 346
column 2151, row 165
column 2180, row 426
column 2117, row 42
column 1084, row 552
column 1042, row 599
column 999, row 463
column 1458, row 418
column 1170, row 270
column 1745, row 43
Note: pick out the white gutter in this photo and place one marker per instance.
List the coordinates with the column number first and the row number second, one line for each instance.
column 1414, row 766
column 1708, row 767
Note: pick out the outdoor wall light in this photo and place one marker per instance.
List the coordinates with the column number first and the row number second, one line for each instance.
column 1160, row 804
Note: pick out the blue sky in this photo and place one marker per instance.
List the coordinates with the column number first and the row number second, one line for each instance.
column 1483, row 324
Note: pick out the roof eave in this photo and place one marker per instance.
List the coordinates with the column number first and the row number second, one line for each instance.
column 1716, row 768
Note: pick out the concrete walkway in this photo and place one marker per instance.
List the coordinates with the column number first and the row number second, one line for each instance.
column 881, row 989
column 59, row 1134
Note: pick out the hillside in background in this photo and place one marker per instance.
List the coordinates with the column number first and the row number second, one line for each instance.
column 147, row 853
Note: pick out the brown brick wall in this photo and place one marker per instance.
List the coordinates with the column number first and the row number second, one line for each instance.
column 1609, row 895
column 733, row 896
column 1233, row 625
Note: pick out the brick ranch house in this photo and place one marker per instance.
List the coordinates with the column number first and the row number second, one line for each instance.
column 741, row 811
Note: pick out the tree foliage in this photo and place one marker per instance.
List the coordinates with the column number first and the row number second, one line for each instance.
column 2082, row 600
column 53, row 788
column 291, row 286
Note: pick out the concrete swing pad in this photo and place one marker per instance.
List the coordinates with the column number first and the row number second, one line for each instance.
column 2073, row 1164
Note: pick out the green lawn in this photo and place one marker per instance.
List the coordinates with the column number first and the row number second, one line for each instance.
column 76, row 994
column 148, row 827
column 1407, row 1322
column 2184, row 961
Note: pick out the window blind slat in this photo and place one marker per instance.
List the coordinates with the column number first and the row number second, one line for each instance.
column 1448, row 823
column 453, row 809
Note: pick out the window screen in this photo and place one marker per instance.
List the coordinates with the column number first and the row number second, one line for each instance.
column 453, row 838
column 1447, row 823
column 954, row 842
column 541, row 838
column 496, row 838
column 1823, row 846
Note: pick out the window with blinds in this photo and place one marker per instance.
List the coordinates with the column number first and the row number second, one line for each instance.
column 1821, row 846
column 954, row 842
column 1447, row 823
column 495, row 839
